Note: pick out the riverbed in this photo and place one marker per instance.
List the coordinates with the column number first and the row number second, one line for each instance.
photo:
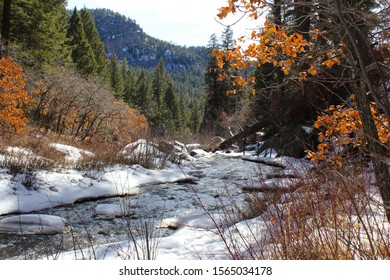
column 218, row 185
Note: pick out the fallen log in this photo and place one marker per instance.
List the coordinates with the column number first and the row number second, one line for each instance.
column 266, row 161
column 243, row 134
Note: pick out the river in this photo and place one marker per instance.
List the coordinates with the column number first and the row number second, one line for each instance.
column 218, row 185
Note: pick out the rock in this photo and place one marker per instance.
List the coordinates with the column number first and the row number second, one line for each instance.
column 215, row 143
column 199, row 153
column 194, row 146
column 140, row 147
column 175, row 150
column 72, row 154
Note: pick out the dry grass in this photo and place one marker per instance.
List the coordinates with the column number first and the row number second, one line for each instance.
column 334, row 214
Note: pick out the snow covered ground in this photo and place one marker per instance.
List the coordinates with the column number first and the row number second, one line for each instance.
column 201, row 236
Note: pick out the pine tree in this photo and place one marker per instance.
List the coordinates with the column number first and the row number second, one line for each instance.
column 5, row 26
column 227, row 39
column 184, row 111
column 172, row 104
column 229, row 101
column 159, row 84
column 129, row 83
column 212, row 85
column 196, row 117
column 96, row 44
column 143, row 100
column 38, row 30
column 82, row 53
column 117, row 82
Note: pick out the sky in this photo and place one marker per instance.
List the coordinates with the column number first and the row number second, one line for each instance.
column 182, row 22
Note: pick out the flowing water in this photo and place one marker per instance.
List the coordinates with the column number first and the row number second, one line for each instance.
column 219, row 181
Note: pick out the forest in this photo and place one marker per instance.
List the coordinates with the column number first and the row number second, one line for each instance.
column 312, row 83
column 321, row 64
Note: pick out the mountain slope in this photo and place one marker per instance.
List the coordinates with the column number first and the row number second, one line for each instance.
column 124, row 37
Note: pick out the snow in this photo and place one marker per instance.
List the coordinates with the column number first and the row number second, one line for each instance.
column 32, row 224
column 53, row 189
column 72, row 154
column 195, row 236
column 19, row 155
column 112, row 210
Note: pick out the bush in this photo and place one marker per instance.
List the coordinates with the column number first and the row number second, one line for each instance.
column 332, row 214
column 13, row 97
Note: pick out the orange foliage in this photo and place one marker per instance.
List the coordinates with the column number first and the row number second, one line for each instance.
column 342, row 126
column 13, row 96
column 274, row 44
column 70, row 105
column 129, row 124
column 299, row 59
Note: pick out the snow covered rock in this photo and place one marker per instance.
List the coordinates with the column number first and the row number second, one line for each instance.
column 33, row 224
column 201, row 221
column 72, row 154
column 113, row 210
column 139, row 148
column 199, row 153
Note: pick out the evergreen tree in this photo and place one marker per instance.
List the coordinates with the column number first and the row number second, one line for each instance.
column 229, row 102
column 172, row 104
column 184, row 111
column 96, row 43
column 143, row 99
column 38, row 30
column 5, row 26
column 196, row 117
column 218, row 102
column 212, row 86
column 159, row 84
column 82, row 53
column 129, row 83
column 227, row 39
column 117, row 82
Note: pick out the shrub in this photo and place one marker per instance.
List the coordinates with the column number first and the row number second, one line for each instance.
column 13, row 97
column 331, row 214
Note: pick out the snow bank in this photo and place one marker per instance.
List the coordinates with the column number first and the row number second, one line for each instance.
column 108, row 211
column 72, row 154
column 53, row 189
column 33, row 224
column 140, row 148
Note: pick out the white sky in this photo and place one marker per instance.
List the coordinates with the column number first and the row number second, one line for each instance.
column 182, row 22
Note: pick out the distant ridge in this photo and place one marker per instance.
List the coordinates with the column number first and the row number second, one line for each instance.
column 124, row 37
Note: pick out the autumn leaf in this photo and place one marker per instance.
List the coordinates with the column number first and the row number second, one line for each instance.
column 13, row 96
column 342, row 125
column 329, row 63
column 220, row 63
column 312, row 70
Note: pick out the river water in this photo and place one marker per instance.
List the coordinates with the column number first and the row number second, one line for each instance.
column 218, row 185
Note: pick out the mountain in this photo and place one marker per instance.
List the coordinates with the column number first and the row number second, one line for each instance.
column 124, row 37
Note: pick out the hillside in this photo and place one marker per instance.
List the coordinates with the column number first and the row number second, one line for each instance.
column 124, row 37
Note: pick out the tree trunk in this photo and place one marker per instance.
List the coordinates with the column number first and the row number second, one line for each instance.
column 357, row 46
column 246, row 132
column 5, row 27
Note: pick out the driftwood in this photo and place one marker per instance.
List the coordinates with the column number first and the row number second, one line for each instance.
column 243, row 134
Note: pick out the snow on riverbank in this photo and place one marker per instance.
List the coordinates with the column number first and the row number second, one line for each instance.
column 196, row 236
column 52, row 189
column 33, row 224
column 32, row 191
